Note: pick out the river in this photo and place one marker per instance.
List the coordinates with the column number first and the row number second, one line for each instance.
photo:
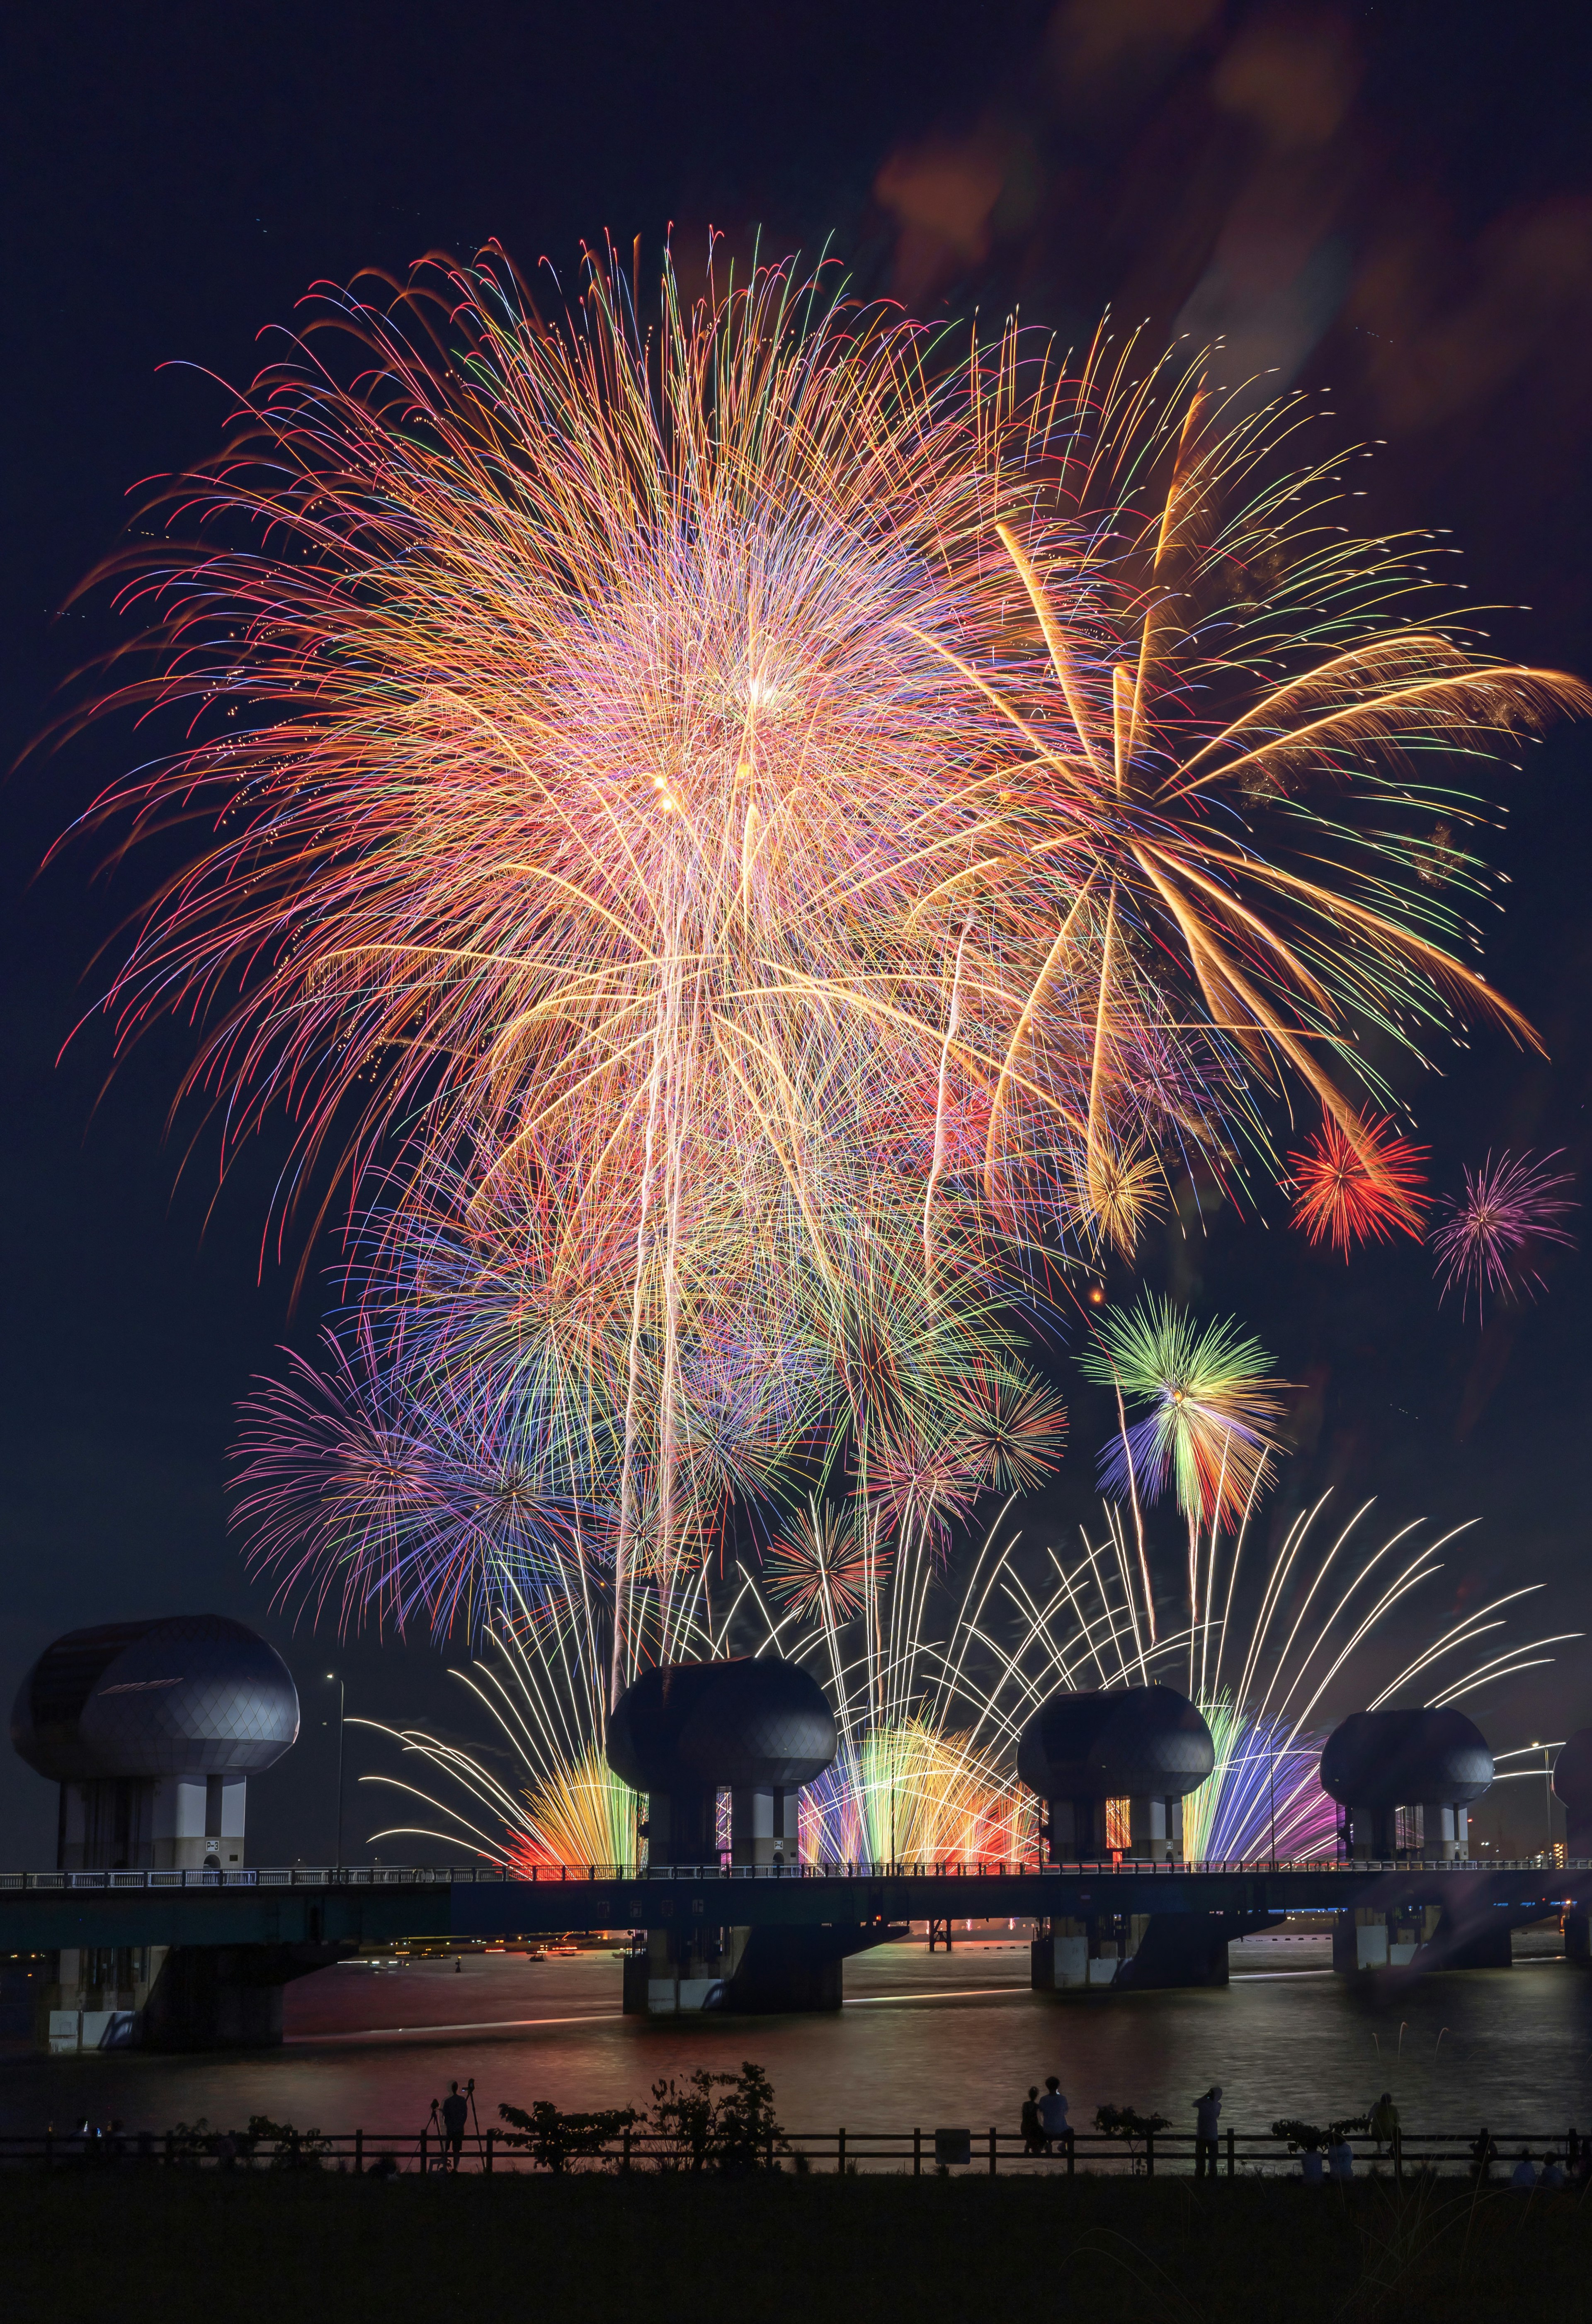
column 921, row 2039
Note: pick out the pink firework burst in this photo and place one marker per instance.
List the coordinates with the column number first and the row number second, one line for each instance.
column 1484, row 1235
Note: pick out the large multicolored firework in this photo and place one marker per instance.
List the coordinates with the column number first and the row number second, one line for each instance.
column 754, row 841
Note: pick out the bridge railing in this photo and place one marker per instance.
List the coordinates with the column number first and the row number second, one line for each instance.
column 424, row 1875
column 905, row 2152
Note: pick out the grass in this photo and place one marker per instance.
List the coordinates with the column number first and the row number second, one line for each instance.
column 179, row 2246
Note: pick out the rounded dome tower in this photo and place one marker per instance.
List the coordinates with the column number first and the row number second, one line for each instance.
column 153, row 1729
column 1405, row 1780
column 756, row 1727
column 1115, row 1767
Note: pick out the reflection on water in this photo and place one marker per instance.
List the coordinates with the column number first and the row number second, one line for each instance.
column 921, row 2041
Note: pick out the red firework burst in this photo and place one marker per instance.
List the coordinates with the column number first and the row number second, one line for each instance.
column 1351, row 1190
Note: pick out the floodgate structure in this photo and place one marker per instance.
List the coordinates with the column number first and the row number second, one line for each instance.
column 158, row 1931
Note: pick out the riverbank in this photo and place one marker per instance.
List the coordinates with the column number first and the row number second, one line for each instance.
column 179, row 2246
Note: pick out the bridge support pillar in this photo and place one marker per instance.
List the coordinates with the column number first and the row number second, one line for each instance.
column 175, row 1997
column 762, row 1971
column 1370, row 1937
column 226, row 1996
column 1468, row 1932
column 1139, row 1952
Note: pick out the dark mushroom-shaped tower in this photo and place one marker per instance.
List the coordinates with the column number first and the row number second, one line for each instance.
column 756, row 1727
column 1405, row 1780
column 153, row 1729
column 1116, row 1768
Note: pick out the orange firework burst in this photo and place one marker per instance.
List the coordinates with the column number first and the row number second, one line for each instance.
column 1361, row 1189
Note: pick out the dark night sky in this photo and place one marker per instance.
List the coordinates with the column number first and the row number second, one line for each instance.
column 1395, row 202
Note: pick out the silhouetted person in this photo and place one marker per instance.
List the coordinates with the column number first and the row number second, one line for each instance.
column 1053, row 2112
column 1341, row 2160
column 1483, row 2153
column 1523, row 2174
column 1552, row 2173
column 1033, row 2135
column 1207, row 2117
column 455, row 2114
column 1384, row 2121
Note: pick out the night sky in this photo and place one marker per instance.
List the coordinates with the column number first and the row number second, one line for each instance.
column 1394, row 203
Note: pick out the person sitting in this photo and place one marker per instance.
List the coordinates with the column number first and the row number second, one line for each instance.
column 1552, row 2173
column 1052, row 2113
column 1523, row 2174
column 1384, row 2121
column 1340, row 2159
column 1034, row 2141
column 1313, row 2166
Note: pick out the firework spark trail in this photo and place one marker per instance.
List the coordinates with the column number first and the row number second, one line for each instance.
column 930, row 1696
column 1484, row 1237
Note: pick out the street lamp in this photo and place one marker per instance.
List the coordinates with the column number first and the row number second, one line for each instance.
column 333, row 1680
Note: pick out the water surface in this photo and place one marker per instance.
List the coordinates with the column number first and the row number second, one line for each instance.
column 922, row 2040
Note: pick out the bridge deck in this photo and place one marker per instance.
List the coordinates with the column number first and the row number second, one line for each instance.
column 41, row 1911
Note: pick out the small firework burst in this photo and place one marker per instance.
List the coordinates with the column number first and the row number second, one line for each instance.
column 821, row 1565
column 924, row 1480
column 1020, row 1427
column 1350, row 1190
column 1484, row 1236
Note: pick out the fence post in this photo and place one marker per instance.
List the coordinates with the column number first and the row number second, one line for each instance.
column 624, row 2160
column 840, row 2161
column 992, row 2153
column 1232, row 2166
column 1398, row 2155
column 491, row 2142
column 1149, row 2154
column 917, row 2155
column 1072, row 2151
column 358, row 2152
column 425, row 2162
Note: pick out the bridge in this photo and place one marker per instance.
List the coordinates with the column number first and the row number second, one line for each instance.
column 198, row 1958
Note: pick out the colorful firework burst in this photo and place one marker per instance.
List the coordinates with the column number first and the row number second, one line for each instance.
column 1211, row 1431
column 747, row 893
column 823, row 1561
column 1360, row 1189
column 1484, row 1236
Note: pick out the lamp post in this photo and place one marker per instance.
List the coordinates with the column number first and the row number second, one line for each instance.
column 332, row 1679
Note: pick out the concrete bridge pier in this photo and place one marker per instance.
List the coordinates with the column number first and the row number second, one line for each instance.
column 174, row 1997
column 1466, row 1931
column 762, row 1971
column 1139, row 1952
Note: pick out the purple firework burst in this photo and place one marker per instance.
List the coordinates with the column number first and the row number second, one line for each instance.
column 1484, row 1235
